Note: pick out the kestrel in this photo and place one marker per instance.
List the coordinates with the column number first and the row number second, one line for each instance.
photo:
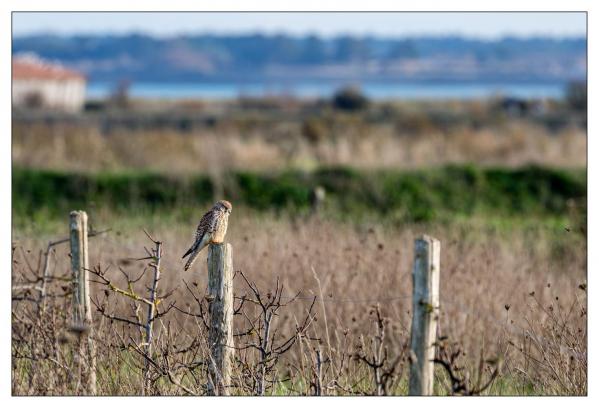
column 212, row 230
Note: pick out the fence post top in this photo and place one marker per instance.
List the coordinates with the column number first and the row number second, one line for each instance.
column 427, row 238
column 77, row 212
column 76, row 218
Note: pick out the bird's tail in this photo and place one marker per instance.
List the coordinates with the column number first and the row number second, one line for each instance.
column 189, row 251
column 191, row 259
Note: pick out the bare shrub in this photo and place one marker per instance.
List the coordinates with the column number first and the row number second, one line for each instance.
column 553, row 344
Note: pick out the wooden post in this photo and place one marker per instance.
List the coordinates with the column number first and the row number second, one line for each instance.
column 220, row 337
column 425, row 314
column 317, row 197
column 46, row 274
column 82, row 313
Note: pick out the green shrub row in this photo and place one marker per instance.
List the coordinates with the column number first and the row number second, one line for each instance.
column 419, row 195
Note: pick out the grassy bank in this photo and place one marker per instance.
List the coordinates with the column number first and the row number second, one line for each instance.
column 407, row 196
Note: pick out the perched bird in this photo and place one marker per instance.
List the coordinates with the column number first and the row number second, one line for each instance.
column 212, row 230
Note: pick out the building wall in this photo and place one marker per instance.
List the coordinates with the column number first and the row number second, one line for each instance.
column 68, row 94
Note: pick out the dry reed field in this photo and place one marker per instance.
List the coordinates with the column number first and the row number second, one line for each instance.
column 306, row 136
column 512, row 309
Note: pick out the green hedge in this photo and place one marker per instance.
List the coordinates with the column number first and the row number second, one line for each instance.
column 420, row 195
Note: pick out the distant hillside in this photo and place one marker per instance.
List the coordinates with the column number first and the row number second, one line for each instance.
column 257, row 57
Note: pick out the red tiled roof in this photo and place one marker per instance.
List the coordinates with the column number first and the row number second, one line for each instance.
column 33, row 69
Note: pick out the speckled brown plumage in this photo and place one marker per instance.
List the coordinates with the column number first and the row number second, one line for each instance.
column 212, row 230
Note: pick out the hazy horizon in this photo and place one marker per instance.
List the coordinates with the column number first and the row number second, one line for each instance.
column 492, row 25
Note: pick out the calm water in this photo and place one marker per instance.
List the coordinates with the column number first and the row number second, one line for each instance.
column 392, row 90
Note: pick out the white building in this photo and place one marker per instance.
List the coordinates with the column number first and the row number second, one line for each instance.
column 40, row 84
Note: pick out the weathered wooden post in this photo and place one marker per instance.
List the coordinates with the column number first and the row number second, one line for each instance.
column 220, row 337
column 317, row 197
column 82, row 313
column 425, row 314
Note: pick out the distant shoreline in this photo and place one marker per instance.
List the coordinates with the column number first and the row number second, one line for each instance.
column 380, row 90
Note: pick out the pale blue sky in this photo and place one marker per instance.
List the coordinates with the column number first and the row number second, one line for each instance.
column 487, row 25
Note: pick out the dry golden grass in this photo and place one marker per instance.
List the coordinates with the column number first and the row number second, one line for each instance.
column 487, row 302
column 239, row 146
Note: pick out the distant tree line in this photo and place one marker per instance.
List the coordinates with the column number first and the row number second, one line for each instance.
column 208, row 56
